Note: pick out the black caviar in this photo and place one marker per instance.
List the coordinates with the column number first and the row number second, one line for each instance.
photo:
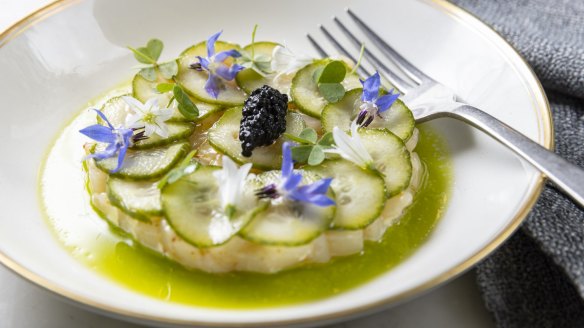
column 264, row 119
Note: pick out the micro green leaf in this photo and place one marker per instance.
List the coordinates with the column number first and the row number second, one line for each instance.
column 300, row 154
column 327, row 140
column 185, row 105
column 164, row 87
column 149, row 73
column 154, row 47
column 316, row 156
column 296, row 139
column 168, row 69
column 309, row 134
column 332, row 92
column 333, row 72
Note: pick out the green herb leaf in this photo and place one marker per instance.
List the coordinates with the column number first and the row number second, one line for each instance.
column 185, row 105
column 164, row 87
column 309, row 135
column 327, row 140
column 168, row 69
column 332, row 92
column 316, row 156
column 333, row 72
column 154, row 47
column 300, row 154
column 149, row 73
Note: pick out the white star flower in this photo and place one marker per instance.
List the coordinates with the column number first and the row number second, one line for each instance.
column 351, row 147
column 285, row 64
column 148, row 116
column 231, row 180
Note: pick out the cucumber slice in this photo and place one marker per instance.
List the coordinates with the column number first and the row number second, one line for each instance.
column 360, row 194
column 397, row 119
column 192, row 207
column 304, row 90
column 138, row 199
column 176, row 131
column 193, row 81
column 288, row 223
column 224, row 137
column 390, row 157
column 248, row 79
column 116, row 110
column 144, row 164
column 143, row 90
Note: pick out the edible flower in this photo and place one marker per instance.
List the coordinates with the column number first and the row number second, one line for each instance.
column 351, row 147
column 314, row 193
column 148, row 116
column 215, row 65
column 286, row 63
column 231, row 180
column 118, row 140
column 373, row 104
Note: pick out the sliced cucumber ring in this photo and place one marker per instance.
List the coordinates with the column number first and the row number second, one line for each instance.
column 390, row 157
column 138, row 199
column 397, row 119
column 248, row 79
column 288, row 223
column 224, row 137
column 116, row 110
column 304, row 90
column 144, row 164
column 192, row 207
column 143, row 90
column 359, row 193
column 176, row 131
column 193, row 81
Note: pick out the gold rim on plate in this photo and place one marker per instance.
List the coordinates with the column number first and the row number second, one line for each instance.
column 467, row 19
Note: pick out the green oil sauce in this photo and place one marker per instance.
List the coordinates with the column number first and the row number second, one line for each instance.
column 148, row 273
column 90, row 240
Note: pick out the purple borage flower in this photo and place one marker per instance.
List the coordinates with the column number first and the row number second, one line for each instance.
column 314, row 193
column 215, row 65
column 118, row 140
column 373, row 104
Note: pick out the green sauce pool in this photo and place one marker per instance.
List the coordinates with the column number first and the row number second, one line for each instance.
column 91, row 241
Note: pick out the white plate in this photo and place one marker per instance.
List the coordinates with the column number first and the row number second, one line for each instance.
column 57, row 59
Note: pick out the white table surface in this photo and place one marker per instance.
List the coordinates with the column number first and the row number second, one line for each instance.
column 22, row 305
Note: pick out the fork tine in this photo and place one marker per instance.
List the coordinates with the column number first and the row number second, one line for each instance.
column 316, row 46
column 393, row 55
column 393, row 78
column 342, row 49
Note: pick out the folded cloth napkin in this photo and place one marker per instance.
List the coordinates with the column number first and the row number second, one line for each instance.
column 537, row 278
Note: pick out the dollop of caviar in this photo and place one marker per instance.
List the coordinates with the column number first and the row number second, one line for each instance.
column 264, row 119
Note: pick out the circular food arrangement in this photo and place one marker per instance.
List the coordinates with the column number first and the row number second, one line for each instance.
column 231, row 160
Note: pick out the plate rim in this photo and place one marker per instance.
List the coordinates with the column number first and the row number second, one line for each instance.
column 473, row 22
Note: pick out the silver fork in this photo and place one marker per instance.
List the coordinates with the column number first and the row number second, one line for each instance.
column 429, row 99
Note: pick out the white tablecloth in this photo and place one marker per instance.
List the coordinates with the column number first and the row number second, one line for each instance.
column 22, row 305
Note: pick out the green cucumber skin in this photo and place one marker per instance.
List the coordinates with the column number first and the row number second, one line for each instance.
column 268, row 177
column 143, row 216
column 404, row 154
column 185, row 60
column 351, row 82
column 169, row 189
column 243, row 78
column 330, row 168
column 155, row 141
column 184, row 149
column 339, row 115
column 139, row 84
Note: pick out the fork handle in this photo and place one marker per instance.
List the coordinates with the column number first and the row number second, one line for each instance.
column 565, row 175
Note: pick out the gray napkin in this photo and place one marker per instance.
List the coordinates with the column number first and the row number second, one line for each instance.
column 537, row 278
